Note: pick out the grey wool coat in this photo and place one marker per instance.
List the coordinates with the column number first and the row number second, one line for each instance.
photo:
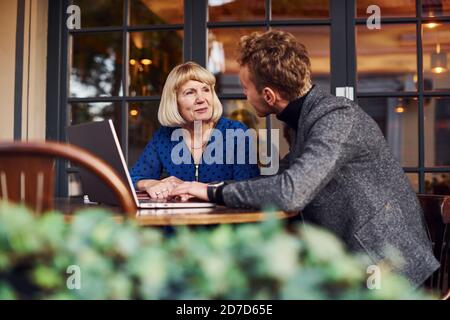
column 341, row 175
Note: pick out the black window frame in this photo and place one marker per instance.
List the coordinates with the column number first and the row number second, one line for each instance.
column 57, row 74
column 342, row 21
column 267, row 23
column 420, row 94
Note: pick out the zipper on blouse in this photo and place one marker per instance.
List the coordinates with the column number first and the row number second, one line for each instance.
column 196, row 172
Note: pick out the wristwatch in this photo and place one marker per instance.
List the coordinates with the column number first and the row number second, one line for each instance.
column 212, row 190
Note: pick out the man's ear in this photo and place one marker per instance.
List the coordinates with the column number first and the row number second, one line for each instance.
column 269, row 96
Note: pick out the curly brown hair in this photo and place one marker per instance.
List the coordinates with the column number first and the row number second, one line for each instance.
column 278, row 60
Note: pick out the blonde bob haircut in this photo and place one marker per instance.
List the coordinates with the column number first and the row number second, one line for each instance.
column 168, row 114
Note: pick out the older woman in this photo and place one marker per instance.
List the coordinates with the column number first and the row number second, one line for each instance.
column 189, row 102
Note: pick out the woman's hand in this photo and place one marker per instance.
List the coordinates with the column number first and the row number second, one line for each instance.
column 161, row 189
column 172, row 179
column 188, row 190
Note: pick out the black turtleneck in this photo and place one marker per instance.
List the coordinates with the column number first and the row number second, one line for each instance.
column 291, row 113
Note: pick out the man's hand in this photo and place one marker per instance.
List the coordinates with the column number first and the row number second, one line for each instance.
column 188, row 190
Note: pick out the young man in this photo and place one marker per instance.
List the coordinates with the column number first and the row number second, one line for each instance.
column 340, row 171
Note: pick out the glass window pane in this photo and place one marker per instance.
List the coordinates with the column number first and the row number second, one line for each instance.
column 437, row 131
column 435, row 8
column 237, row 10
column 397, row 119
column 223, row 46
column 386, row 58
column 96, row 65
column 142, row 123
column 437, row 183
column 414, row 180
column 100, row 13
column 153, row 54
column 391, row 8
column 317, row 41
column 306, row 9
column 242, row 111
column 148, row 12
column 81, row 112
column 436, row 48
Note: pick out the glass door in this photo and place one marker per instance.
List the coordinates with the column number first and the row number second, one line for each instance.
column 308, row 21
column 403, row 82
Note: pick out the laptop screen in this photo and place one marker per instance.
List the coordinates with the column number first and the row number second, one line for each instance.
column 100, row 138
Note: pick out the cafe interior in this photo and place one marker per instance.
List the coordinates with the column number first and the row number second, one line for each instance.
column 72, row 62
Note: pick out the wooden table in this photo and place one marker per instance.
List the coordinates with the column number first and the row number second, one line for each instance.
column 174, row 217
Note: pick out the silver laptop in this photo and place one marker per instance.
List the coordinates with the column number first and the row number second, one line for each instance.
column 100, row 138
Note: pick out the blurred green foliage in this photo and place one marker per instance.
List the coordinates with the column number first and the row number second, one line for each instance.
column 120, row 260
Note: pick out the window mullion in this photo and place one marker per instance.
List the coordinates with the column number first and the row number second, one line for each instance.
column 421, row 123
column 125, row 66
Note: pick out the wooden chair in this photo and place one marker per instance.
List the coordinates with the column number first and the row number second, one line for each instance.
column 27, row 173
column 436, row 209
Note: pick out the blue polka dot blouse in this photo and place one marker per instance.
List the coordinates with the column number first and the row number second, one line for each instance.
column 223, row 158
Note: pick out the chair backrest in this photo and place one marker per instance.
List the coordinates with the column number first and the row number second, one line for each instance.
column 27, row 173
column 436, row 209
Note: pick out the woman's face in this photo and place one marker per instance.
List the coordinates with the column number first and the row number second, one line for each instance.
column 195, row 101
